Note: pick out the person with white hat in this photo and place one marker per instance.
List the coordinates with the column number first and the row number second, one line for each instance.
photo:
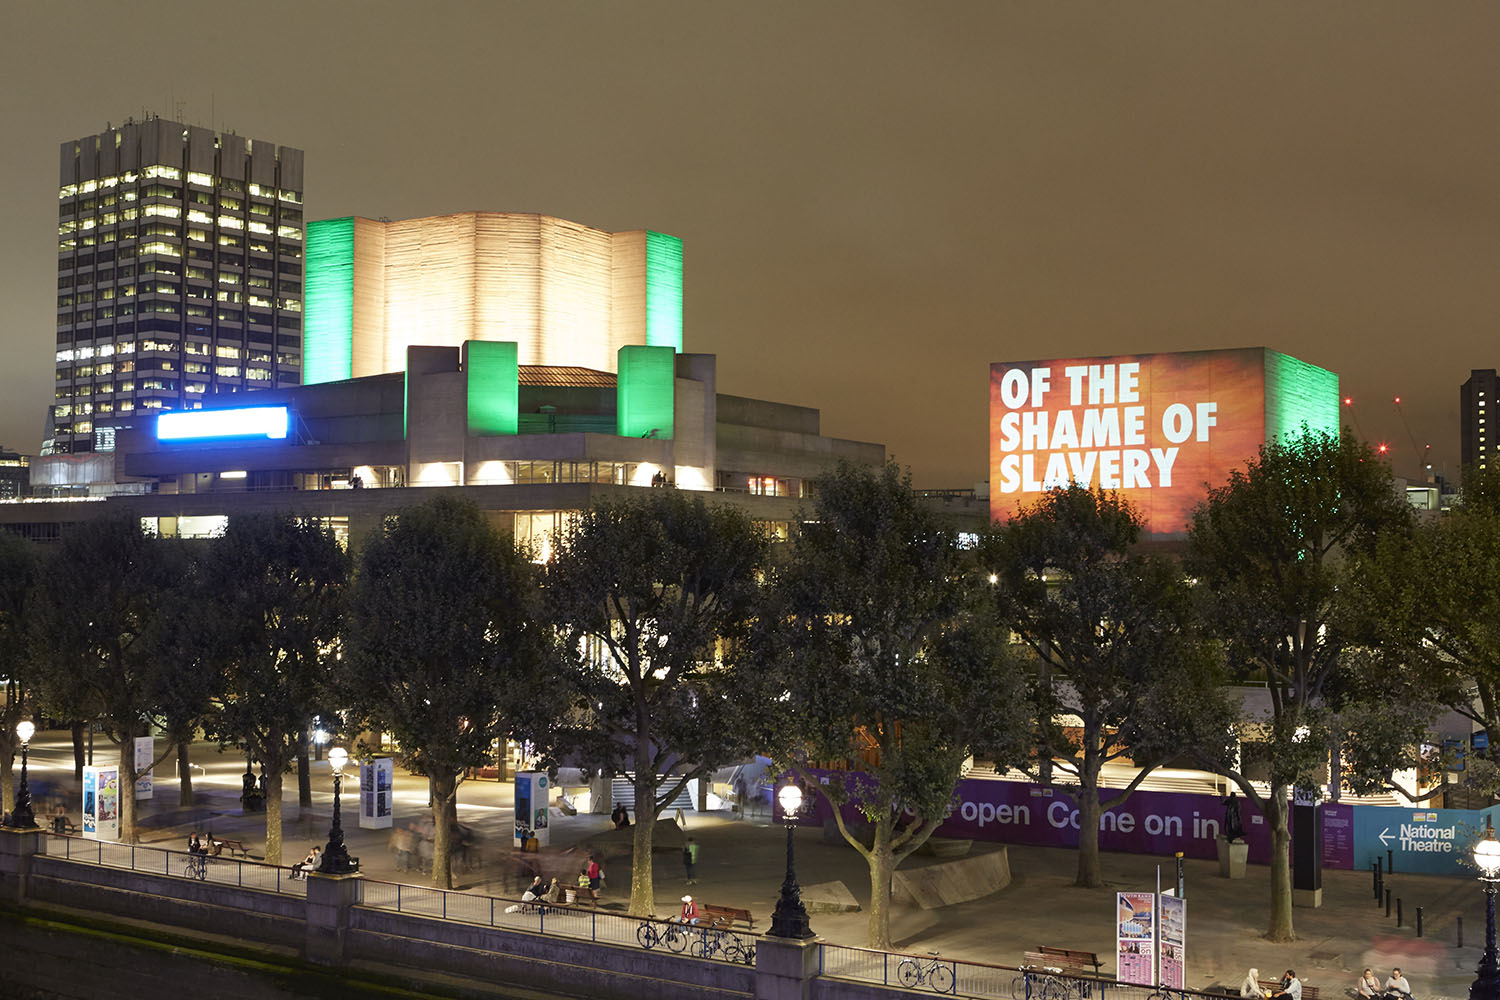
column 689, row 913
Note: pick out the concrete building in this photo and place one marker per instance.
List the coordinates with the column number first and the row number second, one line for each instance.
column 15, row 475
column 1476, row 397
column 530, row 444
column 179, row 274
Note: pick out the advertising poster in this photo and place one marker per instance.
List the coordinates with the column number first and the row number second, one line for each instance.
column 145, row 751
column 532, row 793
column 1173, row 942
column 375, row 807
column 1155, row 427
column 1135, row 936
column 101, row 802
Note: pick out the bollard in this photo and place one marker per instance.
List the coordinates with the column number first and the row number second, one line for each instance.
column 1388, row 902
column 1419, row 921
column 1390, row 859
column 1460, row 931
column 1375, row 879
column 1398, row 911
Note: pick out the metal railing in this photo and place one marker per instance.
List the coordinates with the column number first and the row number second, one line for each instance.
column 581, row 922
column 950, row 977
column 177, row 864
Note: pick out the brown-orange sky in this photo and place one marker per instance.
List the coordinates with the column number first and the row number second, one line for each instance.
column 877, row 199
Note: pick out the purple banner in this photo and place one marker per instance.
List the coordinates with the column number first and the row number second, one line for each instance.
column 1160, row 823
column 1338, row 835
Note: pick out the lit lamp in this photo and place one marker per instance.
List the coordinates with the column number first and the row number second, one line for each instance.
column 1487, row 858
column 789, row 919
column 336, row 860
column 22, row 815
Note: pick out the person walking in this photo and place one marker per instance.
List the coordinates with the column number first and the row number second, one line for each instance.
column 690, row 860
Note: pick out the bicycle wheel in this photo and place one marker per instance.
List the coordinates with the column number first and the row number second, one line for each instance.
column 1018, row 988
column 646, row 936
column 908, row 975
column 941, row 979
column 675, row 938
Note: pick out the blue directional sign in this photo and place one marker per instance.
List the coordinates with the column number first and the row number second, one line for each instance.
column 1426, row 841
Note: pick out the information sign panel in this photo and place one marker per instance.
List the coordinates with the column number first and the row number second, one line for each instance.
column 1173, row 942
column 145, row 751
column 101, row 802
column 375, row 807
column 1135, row 937
column 532, row 792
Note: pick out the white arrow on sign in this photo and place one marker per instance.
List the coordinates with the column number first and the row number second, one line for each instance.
column 1385, row 837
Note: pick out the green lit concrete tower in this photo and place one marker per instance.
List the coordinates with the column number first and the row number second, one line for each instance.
column 179, row 274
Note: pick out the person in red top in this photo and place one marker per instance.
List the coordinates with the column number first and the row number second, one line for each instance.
column 689, row 911
column 596, row 876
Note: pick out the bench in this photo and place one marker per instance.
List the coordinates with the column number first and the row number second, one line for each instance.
column 1067, row 958
column 1272, row 985
column 236, row 847
column 727, row 916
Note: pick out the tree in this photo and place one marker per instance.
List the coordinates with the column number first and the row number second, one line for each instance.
column 274, row 592
column 876, row 634
column 18, row 569
column 649, row 597
column 446, row 648
column 189, row 680
column 1277, row 548
column 1115, row 645
column 100, row 624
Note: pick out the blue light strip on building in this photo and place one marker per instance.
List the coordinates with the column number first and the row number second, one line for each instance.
column 270, row 422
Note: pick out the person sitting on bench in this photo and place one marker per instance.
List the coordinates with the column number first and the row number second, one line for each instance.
column 689, row 914
column 1291, row 987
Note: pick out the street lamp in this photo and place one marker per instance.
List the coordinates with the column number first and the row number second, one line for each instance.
column 789, row 920
column 336, row 860
column 22, row 815
column 1487, row 857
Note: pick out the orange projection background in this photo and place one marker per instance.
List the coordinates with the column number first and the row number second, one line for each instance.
column 1159, row 428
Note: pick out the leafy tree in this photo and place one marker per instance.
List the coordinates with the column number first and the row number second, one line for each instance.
column 18, row 569
column 1115, row 645
column 649, row 597
column 1277, row 548
column 274, row 588
column 446, row 649
column 189, row 680
column 876, row 633
column 100, row 623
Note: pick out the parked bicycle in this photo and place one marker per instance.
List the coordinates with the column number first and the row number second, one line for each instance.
column 1037, row 982
column 195, row 866
column 722, row 945
column 936, row 975
column 673, row 937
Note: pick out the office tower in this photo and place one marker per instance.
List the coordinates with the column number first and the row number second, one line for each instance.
column 1476, row 436
column 179, row 272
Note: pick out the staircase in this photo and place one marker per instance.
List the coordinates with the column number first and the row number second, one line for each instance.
column 621, row 790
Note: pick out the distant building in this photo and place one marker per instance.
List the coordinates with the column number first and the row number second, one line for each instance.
column 1476, row 397
column 15, row 474
column 179, row 273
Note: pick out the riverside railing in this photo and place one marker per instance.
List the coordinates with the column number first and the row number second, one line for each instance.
column 933, row 973
column 581, row 922
column 177, row 864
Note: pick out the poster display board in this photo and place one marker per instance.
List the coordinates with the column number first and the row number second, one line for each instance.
column 375, row 782
column 1173, row 942
column 532, row 792
column 1135, row 937
column 101, row 802
column 145, row 751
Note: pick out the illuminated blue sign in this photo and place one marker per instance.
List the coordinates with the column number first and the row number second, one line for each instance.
column 271, row 422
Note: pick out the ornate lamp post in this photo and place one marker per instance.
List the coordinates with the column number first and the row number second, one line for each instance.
column 22, row 815
column 1487, row 857
column 336, row 860
column 789, row 920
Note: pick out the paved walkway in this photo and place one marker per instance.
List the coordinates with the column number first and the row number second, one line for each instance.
column 742, row 864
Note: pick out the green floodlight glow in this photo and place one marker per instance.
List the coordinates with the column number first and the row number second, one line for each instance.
column 328, row 317
column 663, row 291
column 1298, row 393
column 644, row 400
column 492, row 386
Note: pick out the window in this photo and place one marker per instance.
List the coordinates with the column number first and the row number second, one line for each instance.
column 227, row 371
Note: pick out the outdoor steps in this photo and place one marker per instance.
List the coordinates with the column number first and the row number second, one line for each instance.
column 621, row 790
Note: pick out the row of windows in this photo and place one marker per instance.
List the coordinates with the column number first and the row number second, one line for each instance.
column 163, row 172
column 288, row 261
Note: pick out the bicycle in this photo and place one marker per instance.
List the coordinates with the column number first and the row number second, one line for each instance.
column 195, row 866
column 1037, row 982
column 724, row 945
column 648, row 935
column 914, row 972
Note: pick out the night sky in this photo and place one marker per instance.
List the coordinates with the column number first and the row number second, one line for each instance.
column 877, row 200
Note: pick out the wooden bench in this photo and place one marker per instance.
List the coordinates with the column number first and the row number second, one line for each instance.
column 1068, row 959
column 1272, row 985
column 727, row 917
column 236, row 847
